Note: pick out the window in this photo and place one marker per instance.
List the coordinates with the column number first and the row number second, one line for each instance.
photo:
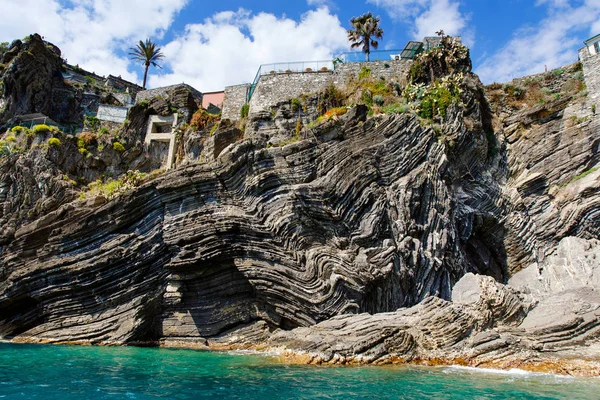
column 597, row 47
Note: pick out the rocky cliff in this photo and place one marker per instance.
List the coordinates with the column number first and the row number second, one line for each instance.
column 369, row 238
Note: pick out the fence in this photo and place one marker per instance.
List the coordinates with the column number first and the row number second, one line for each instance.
column 377, row 55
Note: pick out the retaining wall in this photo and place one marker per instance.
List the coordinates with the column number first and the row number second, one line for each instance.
column 272, row 89
column 392, row 70
column 275, row 88
column 235, row 97
column 591, row 72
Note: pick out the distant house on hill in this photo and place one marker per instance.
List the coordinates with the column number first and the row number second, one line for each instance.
column 593, row 45
column 213, row 101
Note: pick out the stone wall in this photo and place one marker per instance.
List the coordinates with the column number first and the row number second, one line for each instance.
column 275, row 88
column 235, row 98
column 112, row 113
column 591, row 71
column 393, row 70
column 164, row 93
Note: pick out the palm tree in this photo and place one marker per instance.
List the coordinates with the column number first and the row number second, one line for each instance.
column 147, row 53
column 366, row 27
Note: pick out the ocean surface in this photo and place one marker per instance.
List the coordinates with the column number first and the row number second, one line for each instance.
column 71, row 372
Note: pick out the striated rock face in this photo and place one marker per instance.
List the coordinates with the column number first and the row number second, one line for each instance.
column 543, row 326
column 367, row 239
column 547, row 200
column 365, row 217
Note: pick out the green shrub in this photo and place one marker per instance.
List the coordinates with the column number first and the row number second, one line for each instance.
column 577, row 66
column 4, row 148
column 558, row 72
column 42, row 128
column 244, row 111
column 378, row 100
column 367, row 97
column 435, row 103
column 330, row 97
column 118, row 147
column 113, row 188
column 54, row 142
column 296, row 104
column 83, row 151
column 213, row 129
column 103, row 131
column 515, row 91
column 91, row 122
column 433, row 100
column 396, row 108
column 18, row 129
column 364, row 72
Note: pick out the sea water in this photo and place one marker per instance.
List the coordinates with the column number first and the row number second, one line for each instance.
column 71, row 372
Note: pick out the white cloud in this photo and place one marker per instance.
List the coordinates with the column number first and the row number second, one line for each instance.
column 428, row 16
column 90, row 33
column 551, row 43
column 228, row 48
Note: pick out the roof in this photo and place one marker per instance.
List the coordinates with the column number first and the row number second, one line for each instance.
column 411, row 50
column 592, row 39
column 33, row 117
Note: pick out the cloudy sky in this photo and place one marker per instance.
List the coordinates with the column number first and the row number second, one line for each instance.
column 213, row 44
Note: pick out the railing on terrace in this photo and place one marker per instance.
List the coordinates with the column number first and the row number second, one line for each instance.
column 376, row 55
column 288, row 68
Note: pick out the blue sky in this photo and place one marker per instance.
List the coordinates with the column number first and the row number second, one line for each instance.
column 213, row 44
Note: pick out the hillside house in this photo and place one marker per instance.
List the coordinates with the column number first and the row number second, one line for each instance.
column 593, row 45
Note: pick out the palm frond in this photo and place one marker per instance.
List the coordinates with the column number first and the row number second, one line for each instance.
column 365, row 27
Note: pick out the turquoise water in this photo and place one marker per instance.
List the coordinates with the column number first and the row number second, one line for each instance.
column 70, row 372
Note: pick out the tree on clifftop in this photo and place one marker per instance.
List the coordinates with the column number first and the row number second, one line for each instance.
column 366, row 30
column 147, row 53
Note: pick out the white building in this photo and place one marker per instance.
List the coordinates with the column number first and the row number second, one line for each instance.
column 593, row 44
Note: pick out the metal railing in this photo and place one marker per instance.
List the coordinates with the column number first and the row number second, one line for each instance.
column 375, row 55
column 288, row 68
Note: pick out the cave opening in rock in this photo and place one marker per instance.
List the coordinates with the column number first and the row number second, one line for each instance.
column 484, row 250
